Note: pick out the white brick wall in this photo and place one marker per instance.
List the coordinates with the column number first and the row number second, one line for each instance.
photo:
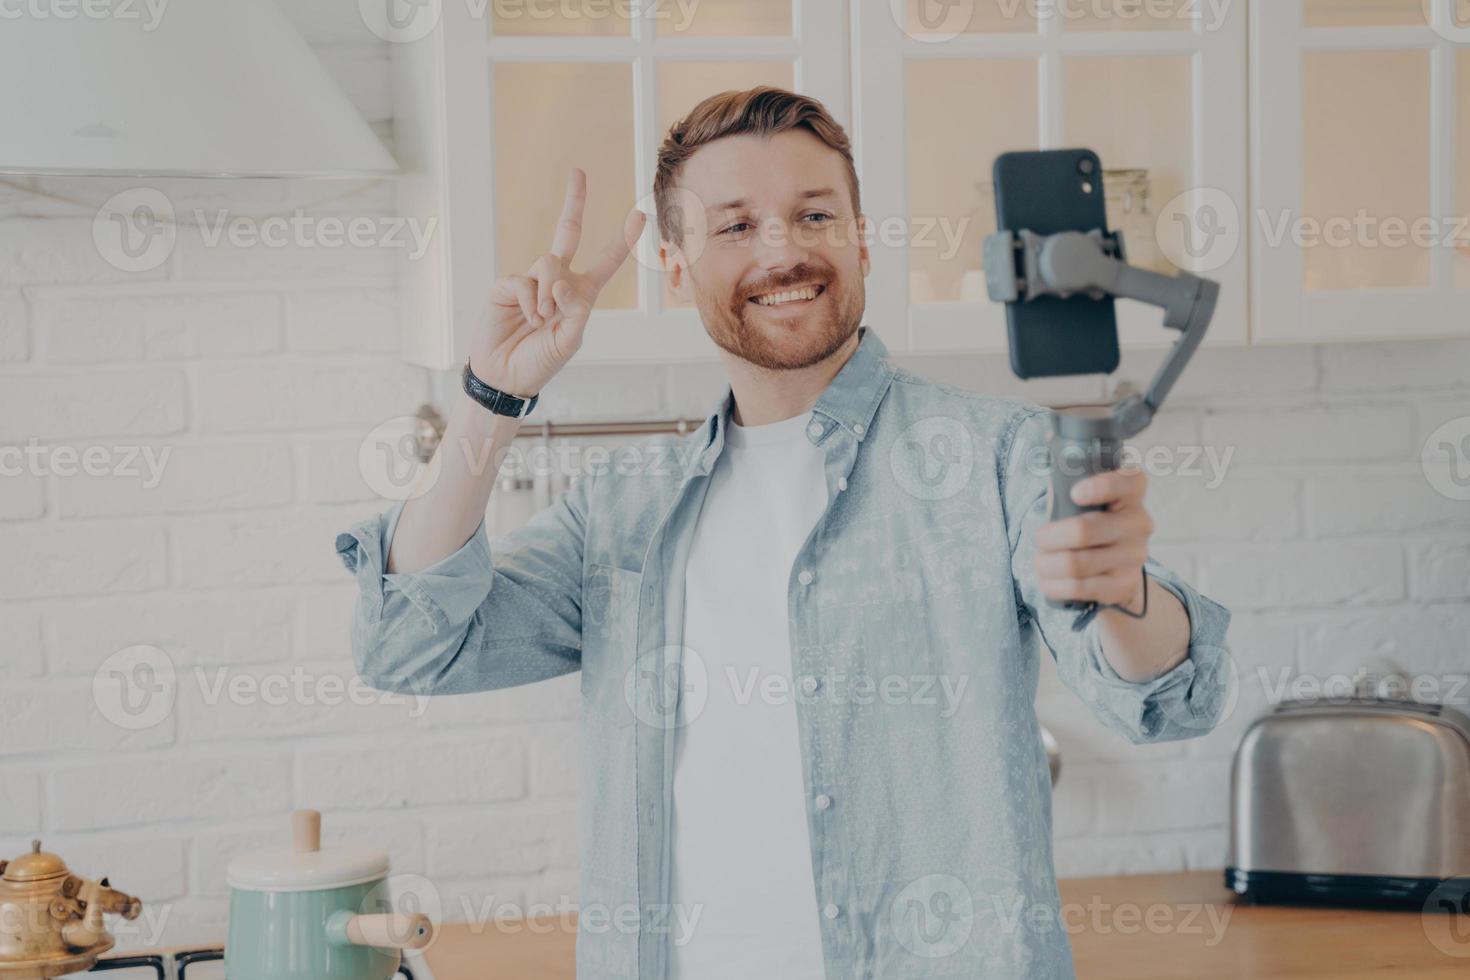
column 261, row 370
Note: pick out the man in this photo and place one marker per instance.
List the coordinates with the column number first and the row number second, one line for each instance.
column 807, row 632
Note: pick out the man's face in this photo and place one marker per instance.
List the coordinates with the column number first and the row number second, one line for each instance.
column 775, row 214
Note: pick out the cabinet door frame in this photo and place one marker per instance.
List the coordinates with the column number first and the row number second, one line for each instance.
column 444, row 89
column 1284, row 310
column 1218, row 144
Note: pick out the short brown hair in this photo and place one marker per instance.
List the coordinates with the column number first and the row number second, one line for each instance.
column 763, row 111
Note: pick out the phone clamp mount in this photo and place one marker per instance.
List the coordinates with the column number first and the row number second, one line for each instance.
column 1021, row 266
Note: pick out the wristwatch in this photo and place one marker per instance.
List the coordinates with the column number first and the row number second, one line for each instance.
column 497, row 401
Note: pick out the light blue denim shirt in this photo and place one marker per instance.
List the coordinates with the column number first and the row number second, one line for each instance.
column 914, row 617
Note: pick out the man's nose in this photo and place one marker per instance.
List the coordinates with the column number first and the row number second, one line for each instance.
column 778, row 246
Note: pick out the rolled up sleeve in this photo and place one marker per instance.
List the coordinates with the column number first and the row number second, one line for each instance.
column 1183, row 702
column 492, row 614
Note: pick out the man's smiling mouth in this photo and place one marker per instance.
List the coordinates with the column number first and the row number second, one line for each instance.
column 789, row 297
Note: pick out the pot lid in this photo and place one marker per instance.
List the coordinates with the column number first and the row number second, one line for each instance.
column 305, row 865
column 38, row 865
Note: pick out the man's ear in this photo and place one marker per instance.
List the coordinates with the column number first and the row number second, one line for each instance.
column 675, row 265
column 864, row 261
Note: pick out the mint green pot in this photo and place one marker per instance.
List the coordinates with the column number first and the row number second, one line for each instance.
column 304, row 912
column 302, row 935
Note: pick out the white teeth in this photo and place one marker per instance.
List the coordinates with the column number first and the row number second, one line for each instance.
column 771, row 299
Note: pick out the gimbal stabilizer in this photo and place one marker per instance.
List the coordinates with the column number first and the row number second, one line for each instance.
column 1021, row 266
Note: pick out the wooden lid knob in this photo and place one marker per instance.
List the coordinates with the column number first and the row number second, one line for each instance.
column 306, row 830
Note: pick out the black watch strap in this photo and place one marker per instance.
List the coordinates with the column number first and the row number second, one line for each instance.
column 495, row 400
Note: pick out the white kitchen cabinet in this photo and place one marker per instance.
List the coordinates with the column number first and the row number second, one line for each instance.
column 1217, row 122
column 492, row 114
column 1361, row 170
column 1157, row 91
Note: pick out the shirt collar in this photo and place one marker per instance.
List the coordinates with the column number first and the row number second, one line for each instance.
column 849, row 401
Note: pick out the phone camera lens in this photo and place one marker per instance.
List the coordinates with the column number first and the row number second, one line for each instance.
column 1086, row 167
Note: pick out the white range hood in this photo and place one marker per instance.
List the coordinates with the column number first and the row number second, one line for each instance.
column 197, row 88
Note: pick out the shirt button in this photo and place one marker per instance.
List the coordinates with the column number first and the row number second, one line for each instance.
column 805, row 578
column 809, row 685
column 823, row 801
column 842, row 483
column 815, row 429
column 830, row 911
column 858, row 428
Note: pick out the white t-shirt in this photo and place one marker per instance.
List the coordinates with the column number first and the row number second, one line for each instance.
column 741, row 850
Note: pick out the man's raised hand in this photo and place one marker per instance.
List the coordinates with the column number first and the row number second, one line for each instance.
column 537, row 319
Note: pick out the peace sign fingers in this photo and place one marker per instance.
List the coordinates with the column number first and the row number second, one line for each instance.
column 556, row 264
column 537, row 319
column 569, row 225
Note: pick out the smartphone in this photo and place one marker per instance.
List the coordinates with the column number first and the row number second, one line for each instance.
column 1051, row 191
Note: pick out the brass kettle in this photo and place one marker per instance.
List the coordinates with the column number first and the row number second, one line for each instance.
column 51, row 920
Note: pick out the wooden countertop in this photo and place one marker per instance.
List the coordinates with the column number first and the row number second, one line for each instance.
column 1199, row 932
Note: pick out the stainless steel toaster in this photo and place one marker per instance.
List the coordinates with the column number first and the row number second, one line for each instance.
column 1353, row 801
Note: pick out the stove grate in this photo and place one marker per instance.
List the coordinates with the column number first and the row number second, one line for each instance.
column 181, row 963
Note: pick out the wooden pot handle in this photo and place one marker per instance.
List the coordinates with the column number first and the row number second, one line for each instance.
column 392, row 930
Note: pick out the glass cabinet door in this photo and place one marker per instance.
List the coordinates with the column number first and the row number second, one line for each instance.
column 1157, row 89
column 1361, row 122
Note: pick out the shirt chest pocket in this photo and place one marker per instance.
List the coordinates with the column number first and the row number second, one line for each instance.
column 609, row 640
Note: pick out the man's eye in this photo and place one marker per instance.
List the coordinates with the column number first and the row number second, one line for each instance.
column 818, row 214
column 736, row 225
